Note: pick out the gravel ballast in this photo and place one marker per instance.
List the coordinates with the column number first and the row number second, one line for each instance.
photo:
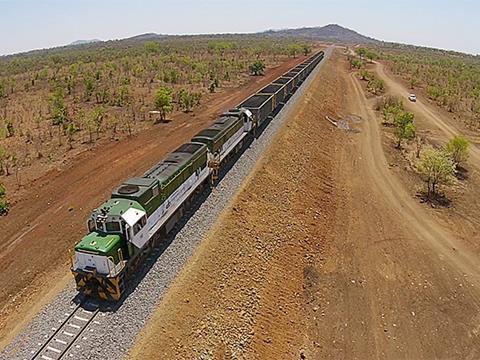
column 113, row 332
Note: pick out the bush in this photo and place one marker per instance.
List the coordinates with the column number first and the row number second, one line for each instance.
column 376, row 86
column 457, row 148
column 437, row 168
column 257, row 68
column 356, row 63
column 404, row 127
column 163, row 102
column 390, row 107
column 3, row 201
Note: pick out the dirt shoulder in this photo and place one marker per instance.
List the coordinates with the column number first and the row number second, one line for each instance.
column 49, row 218
column 323, row 254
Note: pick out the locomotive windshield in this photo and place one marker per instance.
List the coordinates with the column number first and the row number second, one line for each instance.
column 113, row 226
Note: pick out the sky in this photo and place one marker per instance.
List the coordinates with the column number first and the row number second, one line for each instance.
column 35, row 24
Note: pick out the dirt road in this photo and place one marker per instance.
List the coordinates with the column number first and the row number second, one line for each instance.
column 439, row 126
column 429, row 115
column 324, row 254
column 45, row 224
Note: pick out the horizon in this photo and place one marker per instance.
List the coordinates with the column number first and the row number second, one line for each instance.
column 51, row 25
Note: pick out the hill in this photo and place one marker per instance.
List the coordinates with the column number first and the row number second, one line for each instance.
column 332, row 32
column 84, row 42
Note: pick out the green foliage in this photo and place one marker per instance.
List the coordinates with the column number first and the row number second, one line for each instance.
column 171, row 76
column 187, row 100
column 123, row 95
column 450, row 79
column 62, row 86
column 391, row 107
column 3, row 89
column 404, row 127
column 4, row 206
column 437, row 168
column 152, row 47
column 306, row 49
column 58, row 108
column 257, row 67
column 294, row 50
column 376, row 86
column 3, row 161
column 365, row 75
column 365, row 53
column 457, row 148
column 164, row 101
column 97, row 116
column 356, row 63
column 89, row 88
column 220, row 47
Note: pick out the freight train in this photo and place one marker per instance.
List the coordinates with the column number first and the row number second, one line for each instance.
column 124, row 230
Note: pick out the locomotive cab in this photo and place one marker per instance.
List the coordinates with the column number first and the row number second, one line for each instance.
column 101, row 256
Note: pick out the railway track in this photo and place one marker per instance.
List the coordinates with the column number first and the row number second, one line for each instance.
column 65, row 336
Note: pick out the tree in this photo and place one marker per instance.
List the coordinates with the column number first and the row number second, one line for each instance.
column 404, row 127
column 97, row 116
column 187, row 100
column 257, row 67
column 4, row 156
column 152, row 47
column 89, row 88
column 163, row 102
column 294, row 50
column 58, row 108
column 71, row 129
column 437, row 168
column 3, row 201
column 306, row 49
column 457, row 148
column 362, row 52
column 356, row 63
column 365, row 75
column 3, row 89
column 391, row 107
column 376, row 86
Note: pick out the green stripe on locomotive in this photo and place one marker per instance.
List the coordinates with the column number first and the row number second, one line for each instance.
column 219, row 133
column 163, row 179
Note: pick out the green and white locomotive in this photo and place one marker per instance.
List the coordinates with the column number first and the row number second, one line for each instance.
column 124, row 229
column 143, row 210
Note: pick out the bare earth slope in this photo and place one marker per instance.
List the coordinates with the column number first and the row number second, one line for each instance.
column 324, row 254
column 41, row 229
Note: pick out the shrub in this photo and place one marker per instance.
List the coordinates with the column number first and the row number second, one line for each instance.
column 163, row 102
column 257, row 68
column 404, row 127
column 457, row 148
column 3, row 201
column 437, row 168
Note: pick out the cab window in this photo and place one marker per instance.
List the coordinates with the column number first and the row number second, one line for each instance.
column 91, row 225
column 139, row 225
column 113, row 226
column 99, row 226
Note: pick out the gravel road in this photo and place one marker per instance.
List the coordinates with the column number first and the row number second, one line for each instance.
column 114, row 331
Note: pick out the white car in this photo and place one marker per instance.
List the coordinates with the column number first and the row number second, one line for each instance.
column 412, row 97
